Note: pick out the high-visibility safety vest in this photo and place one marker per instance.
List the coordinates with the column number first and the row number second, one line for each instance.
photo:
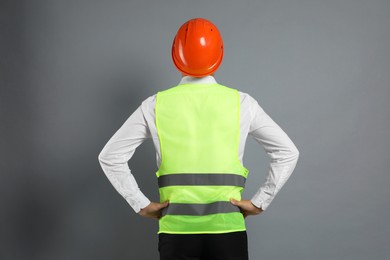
column 198, row 126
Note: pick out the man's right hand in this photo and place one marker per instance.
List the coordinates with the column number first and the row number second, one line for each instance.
column 246, row 206
column 153, row 210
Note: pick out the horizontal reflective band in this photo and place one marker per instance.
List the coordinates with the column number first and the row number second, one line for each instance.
column 212, row 179
column 199, row 209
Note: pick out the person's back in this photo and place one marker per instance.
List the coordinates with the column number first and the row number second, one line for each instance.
column 199, row 128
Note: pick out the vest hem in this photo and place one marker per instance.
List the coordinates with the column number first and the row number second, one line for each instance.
column 201, row 232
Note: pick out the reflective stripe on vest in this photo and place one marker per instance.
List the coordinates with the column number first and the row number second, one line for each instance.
column 199, row 129
column 216, row 179
column 200, row 209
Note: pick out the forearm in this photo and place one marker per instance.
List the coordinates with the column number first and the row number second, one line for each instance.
column 281, row 150
column 118, row 151
column 120, row 176
column 278, row 174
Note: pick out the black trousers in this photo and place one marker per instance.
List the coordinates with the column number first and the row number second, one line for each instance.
column 226, row 246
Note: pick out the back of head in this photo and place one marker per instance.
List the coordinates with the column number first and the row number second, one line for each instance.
column 197, row 48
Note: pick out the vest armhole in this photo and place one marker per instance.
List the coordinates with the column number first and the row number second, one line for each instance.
column 238, row 123
column 156, row 111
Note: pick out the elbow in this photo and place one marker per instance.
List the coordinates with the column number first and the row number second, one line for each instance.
column 104, row 160
column 102, row 156
column 108, row 159
column 295, row 153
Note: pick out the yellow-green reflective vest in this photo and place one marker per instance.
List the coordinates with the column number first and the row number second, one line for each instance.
column 198, row 126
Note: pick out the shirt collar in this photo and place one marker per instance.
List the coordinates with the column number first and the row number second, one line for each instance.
column 195, row 80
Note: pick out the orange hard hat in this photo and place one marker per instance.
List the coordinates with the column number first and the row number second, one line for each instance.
column 197, row 48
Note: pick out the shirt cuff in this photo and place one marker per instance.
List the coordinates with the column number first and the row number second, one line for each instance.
column 258, row 202
column 138, row 201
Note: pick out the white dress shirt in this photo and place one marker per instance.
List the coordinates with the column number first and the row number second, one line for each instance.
column 141, row 125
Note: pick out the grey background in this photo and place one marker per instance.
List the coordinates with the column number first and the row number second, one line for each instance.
column 73, row 71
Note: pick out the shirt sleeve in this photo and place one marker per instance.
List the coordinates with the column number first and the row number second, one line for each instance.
column 281, row 150
column 117, row 152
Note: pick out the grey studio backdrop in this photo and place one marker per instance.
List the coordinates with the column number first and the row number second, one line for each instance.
column 73, row 71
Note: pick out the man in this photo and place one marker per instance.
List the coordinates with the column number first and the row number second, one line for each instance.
column 199, row 129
